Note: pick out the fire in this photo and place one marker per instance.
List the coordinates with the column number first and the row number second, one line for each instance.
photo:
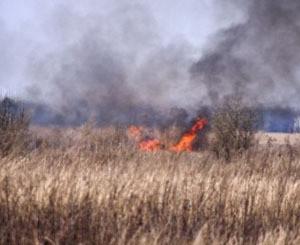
column 184, row 144
column 186, row 141
column 136, row 131
column 150, row 145
column 146, row 145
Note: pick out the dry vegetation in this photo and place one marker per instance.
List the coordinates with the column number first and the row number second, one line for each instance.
column 91, row 186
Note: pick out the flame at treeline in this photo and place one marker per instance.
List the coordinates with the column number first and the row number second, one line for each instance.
column 184, row 144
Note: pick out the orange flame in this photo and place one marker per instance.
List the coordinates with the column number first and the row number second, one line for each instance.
column 186, row 141
column 136, row 131
column 184, row 144
column 150, row 145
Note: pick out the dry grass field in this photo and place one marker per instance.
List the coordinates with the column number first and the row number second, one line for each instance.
column 278, row 138
column 93, row 186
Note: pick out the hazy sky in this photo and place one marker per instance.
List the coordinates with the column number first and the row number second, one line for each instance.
column 29, row 28
column 113, row 59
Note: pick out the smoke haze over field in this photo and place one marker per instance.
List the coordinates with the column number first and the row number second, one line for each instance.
column 119, row 61
column 108, row 67
column 258, row 59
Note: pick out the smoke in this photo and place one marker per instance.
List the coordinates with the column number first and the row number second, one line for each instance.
column 257, row 59
column 109, row 66
column 7, row 55
column 112, row 64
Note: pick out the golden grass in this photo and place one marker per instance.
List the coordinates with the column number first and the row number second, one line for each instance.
column 92, row 186
column 278, row 138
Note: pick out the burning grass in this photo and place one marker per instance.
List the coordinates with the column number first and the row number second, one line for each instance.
column 91, row 186
column 185, row 142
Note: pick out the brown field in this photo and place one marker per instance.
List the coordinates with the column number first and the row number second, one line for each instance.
column 278, row 138
column 92, row 186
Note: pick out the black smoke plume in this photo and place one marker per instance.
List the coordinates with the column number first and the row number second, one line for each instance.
column 110, row 67
column 257, row 59
column 114, row 68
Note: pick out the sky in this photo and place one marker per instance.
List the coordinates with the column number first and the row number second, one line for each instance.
column 114, row 60
column 30, row 28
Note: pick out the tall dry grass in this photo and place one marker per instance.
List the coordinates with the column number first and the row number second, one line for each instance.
column 91, row 186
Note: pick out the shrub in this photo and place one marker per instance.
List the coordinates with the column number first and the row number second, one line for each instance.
column 234, row 125
column 14, row 125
